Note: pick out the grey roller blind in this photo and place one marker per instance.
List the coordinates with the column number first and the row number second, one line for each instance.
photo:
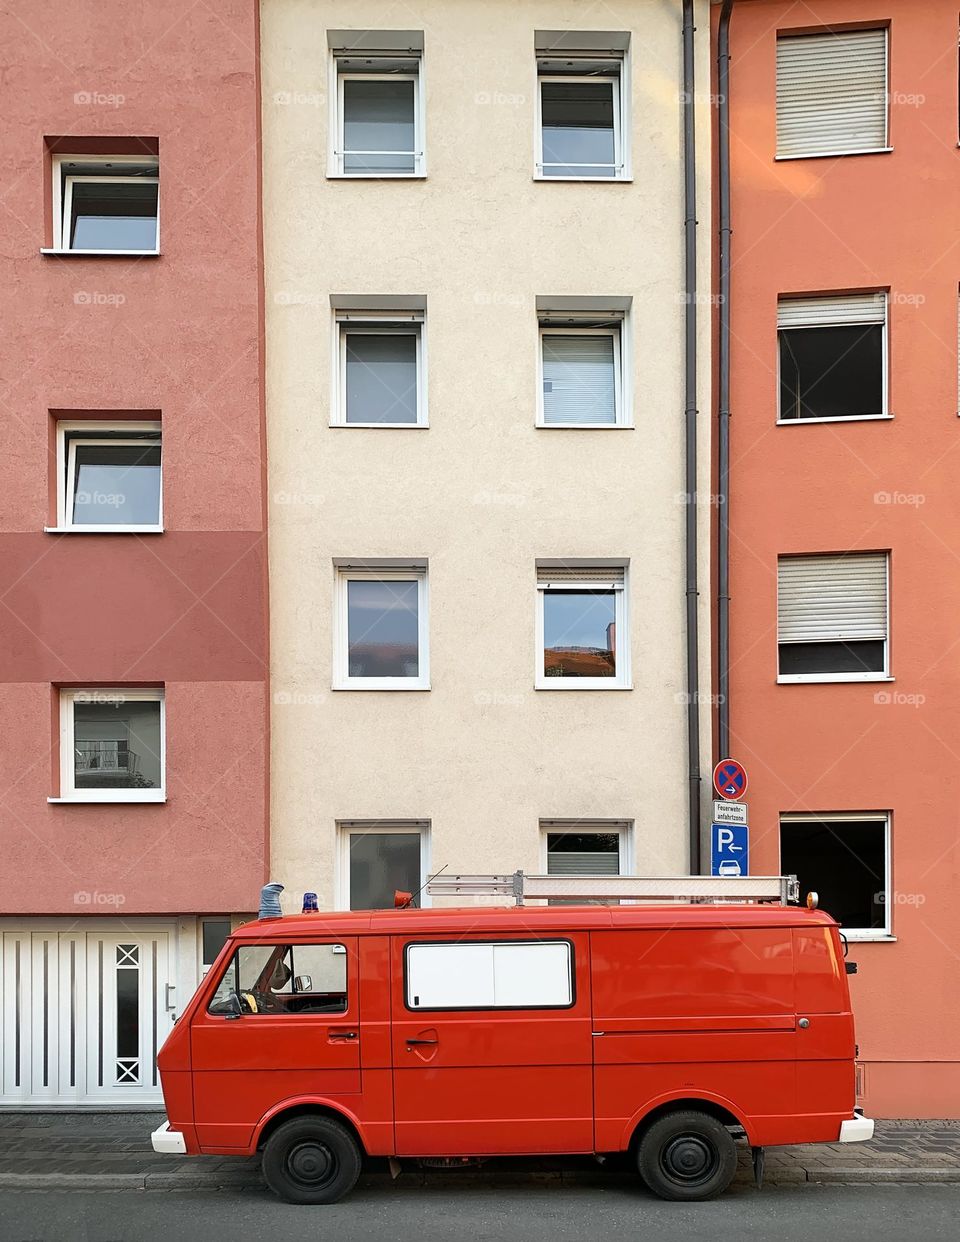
column 832, row 598
column 579, row 380
column 831, row 92
column 602, row 575
column 575, row 862
column 822, row 312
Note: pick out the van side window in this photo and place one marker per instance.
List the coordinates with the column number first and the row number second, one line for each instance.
column 535, row 974
column 284, row 979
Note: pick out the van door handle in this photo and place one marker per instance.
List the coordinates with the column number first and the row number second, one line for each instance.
column 342, row 1034
column 422, row 1041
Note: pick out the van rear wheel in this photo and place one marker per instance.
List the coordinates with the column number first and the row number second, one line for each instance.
column 311, row 1160
column 687, row 1155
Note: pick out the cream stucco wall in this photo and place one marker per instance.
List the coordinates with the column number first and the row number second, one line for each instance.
column 482, row 493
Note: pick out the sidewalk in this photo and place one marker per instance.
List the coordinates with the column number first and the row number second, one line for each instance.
column 111, row 1151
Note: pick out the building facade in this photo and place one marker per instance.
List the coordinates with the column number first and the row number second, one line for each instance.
column 843, row 671
column 133, row 642
column 474, row 309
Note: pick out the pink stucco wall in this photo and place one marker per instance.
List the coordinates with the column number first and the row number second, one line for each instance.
column 180, row 335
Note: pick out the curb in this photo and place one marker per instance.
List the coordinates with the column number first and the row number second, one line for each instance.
column 252, row 1180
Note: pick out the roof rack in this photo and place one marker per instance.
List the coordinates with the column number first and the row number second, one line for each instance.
column 690, row 888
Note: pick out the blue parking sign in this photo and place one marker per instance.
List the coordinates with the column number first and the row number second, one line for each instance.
column 729, row 849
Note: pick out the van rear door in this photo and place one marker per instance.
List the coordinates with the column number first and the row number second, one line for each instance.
column 492, row 1045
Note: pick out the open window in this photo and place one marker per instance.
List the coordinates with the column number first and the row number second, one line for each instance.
column 582, row 105
column 109, row 476
column 106, row 204
column 112, row 745
column 833, row 357
column 582, row 627
column 845, row 859
column 377, row 103
column 832, row 617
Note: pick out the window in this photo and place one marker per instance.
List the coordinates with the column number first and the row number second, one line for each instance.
column 582, row 363
column 378, row 860
column 833, row 354
column 832, row 617
column 377, row 98
column 275, row 979
column 109, row 476
column 534, row 974
column 111, row 745
column 582, row 99
column 380, row 368
column 580, row 611
column 845, row 859
column 106, row 204
column 380, row 640
column 585, row 847
column 214, row 934
column 831, row 93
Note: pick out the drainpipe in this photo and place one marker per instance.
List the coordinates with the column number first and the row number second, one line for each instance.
column 723, row 439
column 690, row 432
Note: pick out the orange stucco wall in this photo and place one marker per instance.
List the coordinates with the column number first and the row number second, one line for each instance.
column 861, row 222
column 179, row 335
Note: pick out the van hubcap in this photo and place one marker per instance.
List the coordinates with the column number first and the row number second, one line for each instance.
column 689, row 1159
column 311, row 1164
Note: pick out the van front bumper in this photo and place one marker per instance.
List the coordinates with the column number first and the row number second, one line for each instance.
column 856, row 1130
column 172, row 1143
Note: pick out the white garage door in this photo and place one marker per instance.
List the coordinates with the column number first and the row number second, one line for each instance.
column 84, row 1012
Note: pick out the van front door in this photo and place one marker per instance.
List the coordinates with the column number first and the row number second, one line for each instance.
column 492, row 1046
column 297, row 1033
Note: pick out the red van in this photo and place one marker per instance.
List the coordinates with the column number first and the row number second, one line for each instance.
column 664, row 1032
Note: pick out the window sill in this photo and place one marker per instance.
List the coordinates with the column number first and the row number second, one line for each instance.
column 868, row 937
column 833, row 155
column 600, row 180
column 381, row 176
column 103, row 530
column 381, row 688
column 105, row 797
column 800, row 679
column 561, row 684
column 100, row 254
column 385, row 426
column 840, row 418
column 584, row 426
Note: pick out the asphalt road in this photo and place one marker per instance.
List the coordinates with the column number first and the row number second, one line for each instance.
column 535, row 1213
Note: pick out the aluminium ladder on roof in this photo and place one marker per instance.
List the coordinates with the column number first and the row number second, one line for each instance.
column 691, row 888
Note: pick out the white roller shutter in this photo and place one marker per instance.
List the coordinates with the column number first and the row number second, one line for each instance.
column 832, row 92
column 832, row 598
column 579, row 378
column 560, row 575
column 823, row 312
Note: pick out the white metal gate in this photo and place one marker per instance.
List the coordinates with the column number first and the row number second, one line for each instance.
column 84, row 1011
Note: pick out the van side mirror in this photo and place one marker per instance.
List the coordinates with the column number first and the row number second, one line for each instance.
column 303, row 983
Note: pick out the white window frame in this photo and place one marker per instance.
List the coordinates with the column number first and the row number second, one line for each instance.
column 63, row 196
column 68, row 791
column 90, row 432
column 623, row 829
column 463, row 964
column 341, row 659
column 372, row 323
column 787, row 679
column 621, row 364
column 621, row 114
column 337, row 153
column 884, row 363
column 879, row 817
column 622, row 680
column 395, row 827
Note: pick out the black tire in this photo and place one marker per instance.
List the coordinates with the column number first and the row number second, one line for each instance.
column 311, row 1160
column 687, row 1156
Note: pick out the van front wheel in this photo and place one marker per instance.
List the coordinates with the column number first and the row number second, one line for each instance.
column 311, row 1160
column 687, row 1156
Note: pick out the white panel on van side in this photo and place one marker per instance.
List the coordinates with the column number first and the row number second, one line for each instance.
column 489, row 976
column 450, row 976
column 532, row 974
